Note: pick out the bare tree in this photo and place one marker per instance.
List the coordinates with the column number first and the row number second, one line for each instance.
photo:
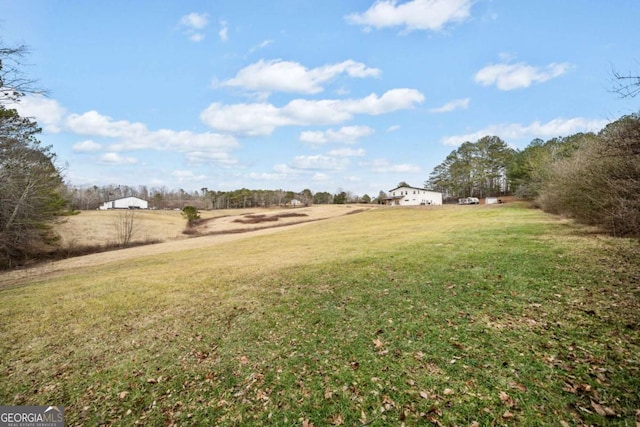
column 13, row 83
column 124, row 224
column 626, row 85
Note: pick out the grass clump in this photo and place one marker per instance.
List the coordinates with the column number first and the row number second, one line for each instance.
column 495, row 316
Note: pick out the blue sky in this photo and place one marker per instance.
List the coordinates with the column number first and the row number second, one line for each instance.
column 356, row 95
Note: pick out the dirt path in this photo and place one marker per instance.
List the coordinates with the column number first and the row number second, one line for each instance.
column 52, row 269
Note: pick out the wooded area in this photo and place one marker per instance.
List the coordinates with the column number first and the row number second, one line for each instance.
column 30, row 182
column 594, row 178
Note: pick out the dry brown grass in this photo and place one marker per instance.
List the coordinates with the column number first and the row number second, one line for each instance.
column 216, row 227
column 91, row 228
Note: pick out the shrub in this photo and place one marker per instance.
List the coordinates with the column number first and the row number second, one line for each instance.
column 190, row 213
column 600, row 183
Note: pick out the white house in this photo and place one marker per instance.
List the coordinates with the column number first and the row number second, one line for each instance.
column 412, row 196
column 125, row 203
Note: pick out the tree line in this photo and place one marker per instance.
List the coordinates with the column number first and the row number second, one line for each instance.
column 87, row 198
column 591, row 177
column 31, row 184
column 475, row 169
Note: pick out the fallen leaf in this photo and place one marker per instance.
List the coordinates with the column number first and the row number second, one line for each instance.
column 151, row 381
column 328, row 394
column 336, row 420
column 387, row 402
column 585, row 410
column 123, row 394
column 307, row 423
column 603, row 410
column 506, row 399
column 378, row 343
column 448, row 392
column 475, row 424
column 518, row 386
column 433, row 420
column 507, row 415
column 244, row 360
column 424, row 395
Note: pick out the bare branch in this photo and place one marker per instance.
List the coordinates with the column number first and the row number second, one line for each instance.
column 13, row 82
column 626, row 85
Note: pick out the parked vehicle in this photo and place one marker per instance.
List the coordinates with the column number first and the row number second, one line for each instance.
column 469, row 201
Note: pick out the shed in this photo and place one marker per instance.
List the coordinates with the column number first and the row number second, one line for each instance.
column 125, row 203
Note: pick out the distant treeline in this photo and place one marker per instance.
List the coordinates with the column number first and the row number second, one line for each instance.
column 86, row 198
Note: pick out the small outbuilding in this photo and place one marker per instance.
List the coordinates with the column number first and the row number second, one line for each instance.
column 125, row 203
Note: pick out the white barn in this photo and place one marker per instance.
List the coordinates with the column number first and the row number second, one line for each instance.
column 125, row 203
column 412, row 196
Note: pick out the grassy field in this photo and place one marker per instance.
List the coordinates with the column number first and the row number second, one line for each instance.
column 469, row 316
column 99, row 227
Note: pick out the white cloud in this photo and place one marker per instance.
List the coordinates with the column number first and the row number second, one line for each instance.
column 385, row 166
column 320, row 162
column 516, row 131
column 452, row 105
column 393, row 128
column 127, row 136
column 87, row 146
column 432, row 15
column 136, row 136
column 193, row 24
column 196, row 21
column 292, row 77
column 261, row 45
column 346, row 134
column 247, row 119
column 196, row 37
column 220, row 158
column 263, row 118
column 47, row 112
column 265, row 176
column 284, row 169
column 520, row 75
column 117, row 159
column 347, row 152
column 188, row 176
column 224, row 31
column 94, row 123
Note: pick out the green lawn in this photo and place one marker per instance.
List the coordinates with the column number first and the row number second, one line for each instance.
column 471, row 315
